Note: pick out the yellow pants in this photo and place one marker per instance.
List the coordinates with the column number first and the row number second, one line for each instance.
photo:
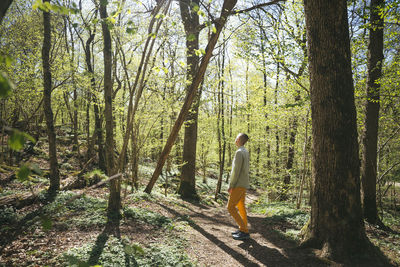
column 236, row 199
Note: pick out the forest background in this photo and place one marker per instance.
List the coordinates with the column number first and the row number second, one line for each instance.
column 257, row 82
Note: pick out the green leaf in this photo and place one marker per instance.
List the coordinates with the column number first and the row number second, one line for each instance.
column 201, row 13
column 18, row 139
column 23, row 173
column 214, row 30
column 6, row 86
column 195, row 8
column 46, row 222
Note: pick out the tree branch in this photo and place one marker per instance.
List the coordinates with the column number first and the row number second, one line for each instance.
column 256, row 7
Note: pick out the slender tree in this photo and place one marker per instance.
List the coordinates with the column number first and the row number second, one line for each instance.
column 221, row 119
column 48, row 112
column 370, row 135
column 337, row 225
column 190, row 18
column 114, row 200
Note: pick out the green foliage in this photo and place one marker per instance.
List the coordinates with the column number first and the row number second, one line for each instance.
column 121, row 252
column 141, row 196
column 8, row 217
column 281, row 213
column 83, row 213
column 46, row 7
column 6, row 86
column 172, row 254
column 94, row 176
column 26, row 170
column 113, row 254
column 17, row 139
column 147, row 216
column 46, row 222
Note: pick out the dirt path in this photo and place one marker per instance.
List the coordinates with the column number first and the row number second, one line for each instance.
column 212, row 245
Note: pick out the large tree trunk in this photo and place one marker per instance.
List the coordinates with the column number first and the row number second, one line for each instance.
column 190, row 18
column 336, row 218
column 4, row 5
column 54, row 173
column 370, row 135
column 226, row 10
column 114, row 200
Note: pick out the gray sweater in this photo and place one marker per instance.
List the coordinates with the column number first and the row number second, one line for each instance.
column 240, row 169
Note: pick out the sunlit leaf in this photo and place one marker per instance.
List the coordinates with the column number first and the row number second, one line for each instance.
column 18, row 139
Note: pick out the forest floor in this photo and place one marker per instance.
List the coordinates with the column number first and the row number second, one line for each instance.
column 160, row 231
column 157, row 229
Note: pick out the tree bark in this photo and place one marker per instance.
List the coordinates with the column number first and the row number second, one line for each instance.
column 190, row 19
column 4, row 5
column 114, row 200
column 371, row 124
column 337, row 224
column 226, row 9
column 47, row 83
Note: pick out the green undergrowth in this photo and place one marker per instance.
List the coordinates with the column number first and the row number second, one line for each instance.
column 282, row 217
column 122, row 252
column 83, row 213
column 147, row 216
column 8, row 218
column 389, row 241
column 110, row 251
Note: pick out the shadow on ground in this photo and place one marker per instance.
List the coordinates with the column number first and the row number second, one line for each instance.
column 266, row 248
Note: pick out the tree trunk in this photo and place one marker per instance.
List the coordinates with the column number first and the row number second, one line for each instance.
column 226, row 9
column 336, row 218
column 97, row 119
column 221, row 118
column 370, row 135
column 54, row 173
column 290, row 158
column 114, row 200
column 303, row 175
column 190, row 19
column 4, row 5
